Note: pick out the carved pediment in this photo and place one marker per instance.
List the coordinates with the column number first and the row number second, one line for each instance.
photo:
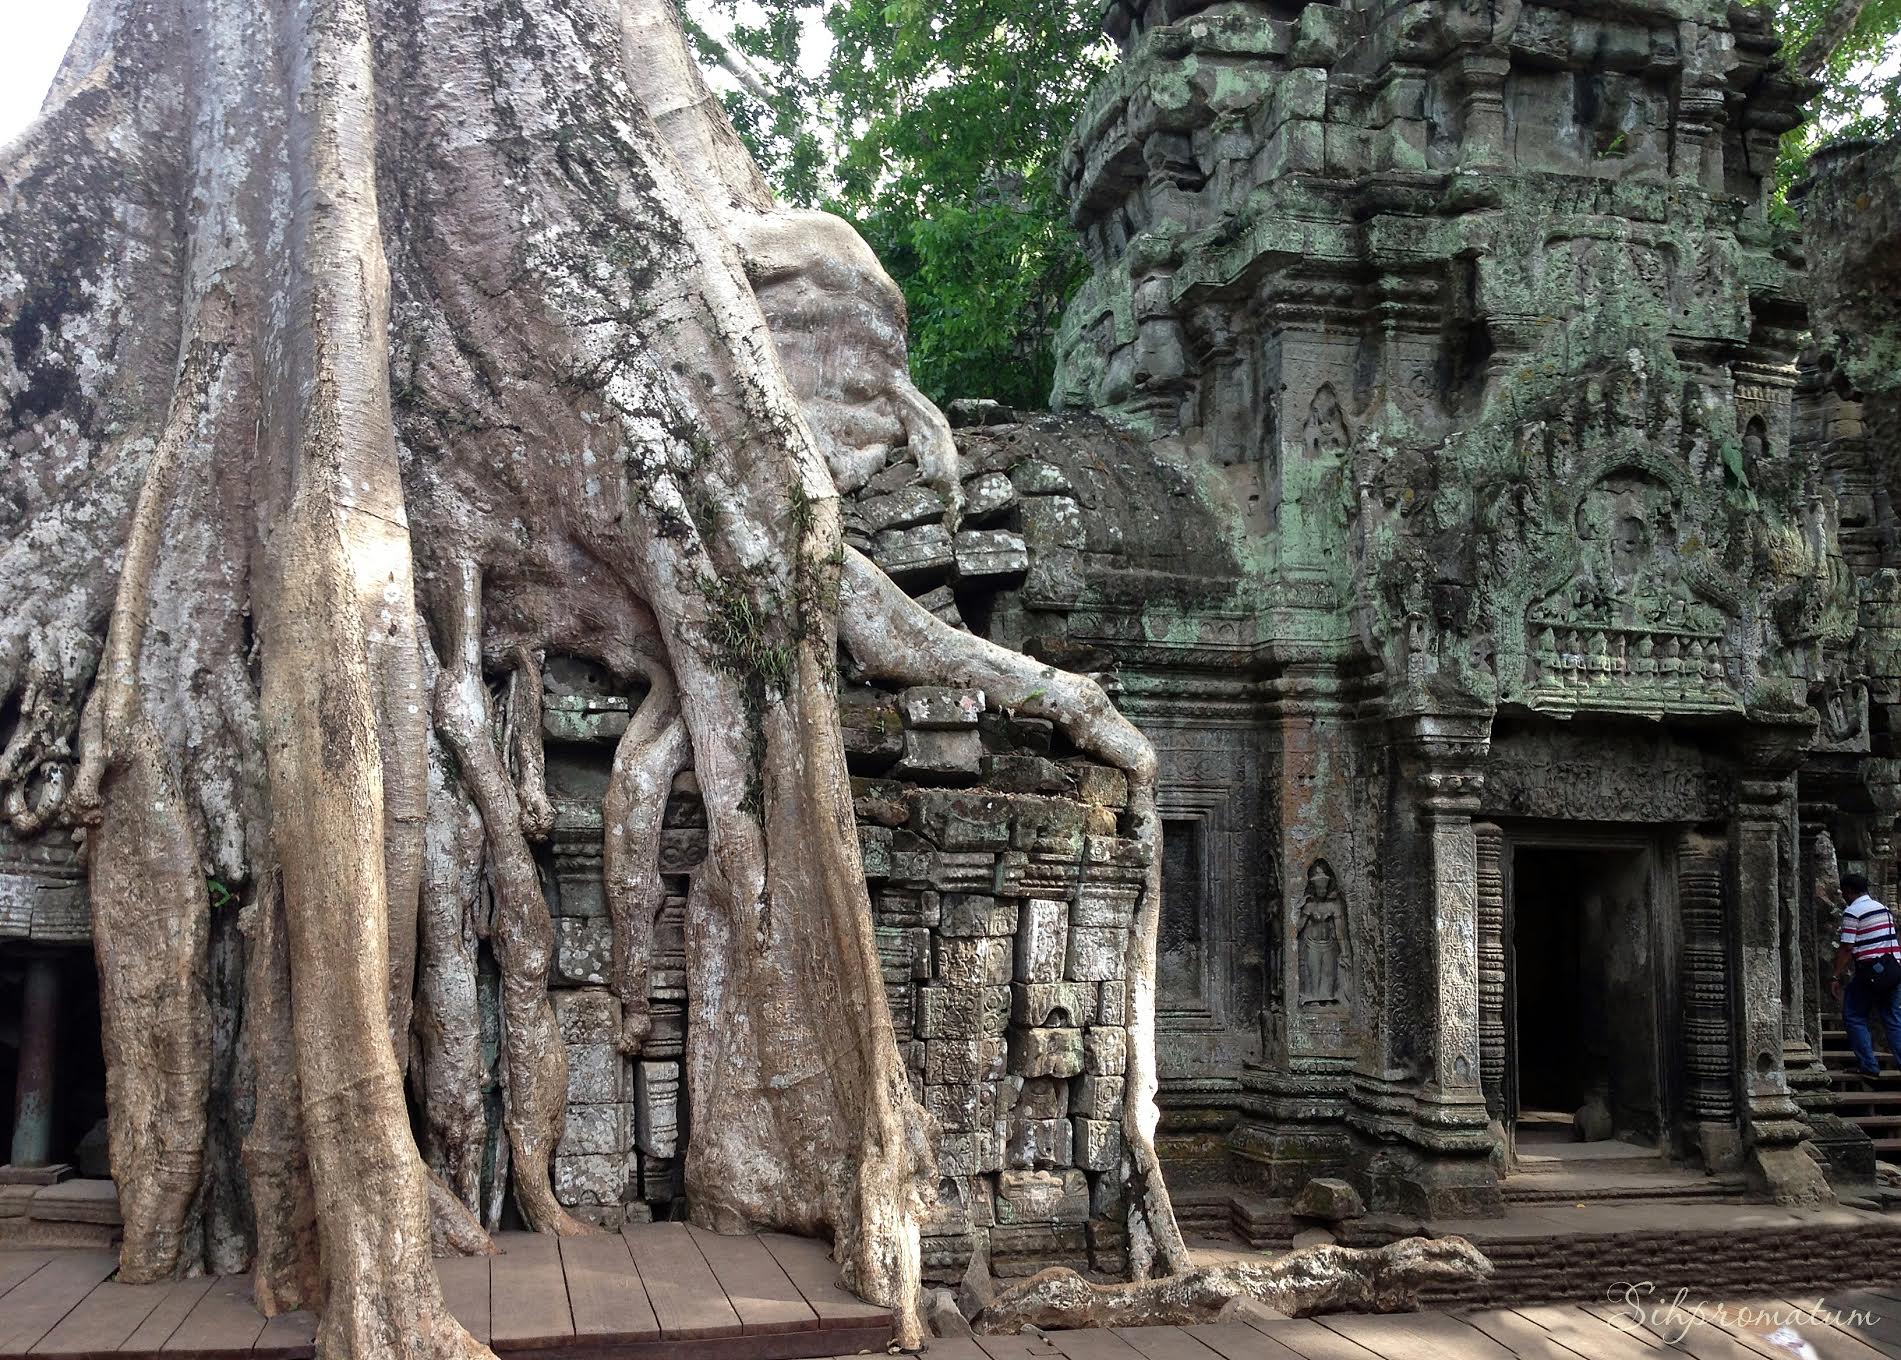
column 1640, row 620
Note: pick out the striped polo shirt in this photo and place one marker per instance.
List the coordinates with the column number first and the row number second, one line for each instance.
column 1868, row 928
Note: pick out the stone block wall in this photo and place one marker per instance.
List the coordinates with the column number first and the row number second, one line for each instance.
column 1003, row 887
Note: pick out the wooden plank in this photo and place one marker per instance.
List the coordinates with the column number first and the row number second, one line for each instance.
column 1417, row 1336
column 808, row 1263
column 35, row 1306
column 1590, row 1336
column 1238, row 1341
column 1518, row 1334
column 1024, row 1346
column 465, row 1291
column 1812, row 1318
column 1307, row 1338
column 955, row 1348
column 604, row 1289
column 289, row 1336
column 527, row 1292
column 1752, row 1333
column 1164, row 1343
column 1872, row 1315
column 755, row 1283
column 1092, row 1343
column 686, row 1295
column 15, row 1266
column 180, row 1298
column 1679, row 1330
column 224, row 1320
column 103, row 1319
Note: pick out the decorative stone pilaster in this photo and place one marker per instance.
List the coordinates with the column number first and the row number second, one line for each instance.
column 1772, row 1122
column 1489, row 845
column 1452, row 1171
column 1482, row 109
column 1709, row 1100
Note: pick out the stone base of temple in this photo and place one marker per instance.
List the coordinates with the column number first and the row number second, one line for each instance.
column 1691, row 1233
column 50, row 1174
column 66, row 1213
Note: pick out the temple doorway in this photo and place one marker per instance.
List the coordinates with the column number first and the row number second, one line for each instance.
column 1586, row 1043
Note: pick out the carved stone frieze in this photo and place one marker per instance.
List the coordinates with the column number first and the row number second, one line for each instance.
column 1585, row 789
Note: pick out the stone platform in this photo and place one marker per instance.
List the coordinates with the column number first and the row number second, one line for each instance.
column 1548, row 1251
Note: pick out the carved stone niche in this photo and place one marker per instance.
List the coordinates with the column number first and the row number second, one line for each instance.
column 1321, row 981
column 1635, row 623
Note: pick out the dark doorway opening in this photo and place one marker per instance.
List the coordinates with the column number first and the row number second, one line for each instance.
column 1586, row 1047
column 76, row 1102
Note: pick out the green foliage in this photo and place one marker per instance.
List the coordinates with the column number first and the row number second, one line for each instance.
column 938, row 130
column 1861, row 82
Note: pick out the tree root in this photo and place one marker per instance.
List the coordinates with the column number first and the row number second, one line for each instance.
column 446, row 1031
column 522, row 930
column 454, row 1229
column 150, row 922
column 524, row 729
column 1325, row 1279
column 652, row 750
column 893, row 638
column 36, row 764
column 285, row 1273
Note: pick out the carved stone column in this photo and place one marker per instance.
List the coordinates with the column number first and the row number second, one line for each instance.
column 1709, row 1098
column 1481, row 86
column 1489, row 844
column 1452, row 1172
column 37, row 1084
column 1772, row 1122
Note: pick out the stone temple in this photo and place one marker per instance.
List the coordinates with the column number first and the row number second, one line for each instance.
column 1444, row 477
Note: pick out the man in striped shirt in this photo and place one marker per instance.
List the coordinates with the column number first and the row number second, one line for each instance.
column 1868, row 973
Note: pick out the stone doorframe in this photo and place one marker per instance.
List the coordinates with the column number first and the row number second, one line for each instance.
column 1691, row 982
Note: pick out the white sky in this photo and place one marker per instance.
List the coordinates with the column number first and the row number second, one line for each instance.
column 33, row 37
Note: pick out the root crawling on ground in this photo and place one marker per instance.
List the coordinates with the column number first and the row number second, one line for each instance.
column 1323, row 1279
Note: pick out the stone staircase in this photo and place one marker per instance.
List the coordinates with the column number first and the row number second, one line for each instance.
column 1877, row 1109
column 1551, row 1167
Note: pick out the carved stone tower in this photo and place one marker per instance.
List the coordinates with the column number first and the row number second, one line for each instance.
column 1467, row 324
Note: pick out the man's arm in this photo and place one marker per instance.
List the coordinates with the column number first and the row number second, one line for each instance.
column 1844, row 965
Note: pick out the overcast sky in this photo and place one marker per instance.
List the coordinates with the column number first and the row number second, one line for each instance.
column 33, row 37
column 34, row 34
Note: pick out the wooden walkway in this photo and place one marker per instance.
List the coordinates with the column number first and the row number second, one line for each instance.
column 670, row 1292
column 1569, row 1332
column 662, row 1291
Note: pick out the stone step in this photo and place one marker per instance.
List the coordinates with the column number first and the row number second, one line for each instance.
column 72, row 1213
column 1571, row 1188
column 1637, row 1164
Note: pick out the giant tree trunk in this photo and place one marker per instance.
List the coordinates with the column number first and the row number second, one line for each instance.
column 361, row 353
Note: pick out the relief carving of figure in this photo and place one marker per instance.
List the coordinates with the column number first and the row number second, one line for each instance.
column 1326, row 952
column 1326, row 434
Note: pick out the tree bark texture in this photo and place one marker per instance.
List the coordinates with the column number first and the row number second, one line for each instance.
column 363, row 353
